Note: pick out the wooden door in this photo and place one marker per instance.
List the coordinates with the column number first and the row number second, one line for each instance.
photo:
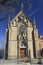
column 22, row 52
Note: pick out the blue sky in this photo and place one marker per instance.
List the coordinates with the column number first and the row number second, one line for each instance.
column 36, row 9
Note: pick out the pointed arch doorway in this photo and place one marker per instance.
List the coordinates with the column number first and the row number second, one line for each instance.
column 22, row 52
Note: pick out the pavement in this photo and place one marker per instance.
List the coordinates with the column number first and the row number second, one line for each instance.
column 16, row 62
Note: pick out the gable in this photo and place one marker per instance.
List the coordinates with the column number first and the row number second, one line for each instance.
column 21, row 17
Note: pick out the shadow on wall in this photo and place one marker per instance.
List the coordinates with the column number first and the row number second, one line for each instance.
column 39, row 57
column 40, row 53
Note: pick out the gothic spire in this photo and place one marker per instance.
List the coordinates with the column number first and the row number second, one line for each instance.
column 34, row 22
column 8, row 20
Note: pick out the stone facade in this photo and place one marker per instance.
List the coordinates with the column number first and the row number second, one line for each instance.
column 21, row 38
column 41, row 41
column 41, row 45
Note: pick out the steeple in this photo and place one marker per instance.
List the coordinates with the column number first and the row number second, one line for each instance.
column 34, row 22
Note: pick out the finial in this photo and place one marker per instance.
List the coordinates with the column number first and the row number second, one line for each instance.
column 34, row 22
column 8, row 20
column 21, row 6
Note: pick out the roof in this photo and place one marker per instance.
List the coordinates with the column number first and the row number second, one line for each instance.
column 19, row 13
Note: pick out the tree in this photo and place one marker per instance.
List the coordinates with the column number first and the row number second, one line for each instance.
column 1, row 53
